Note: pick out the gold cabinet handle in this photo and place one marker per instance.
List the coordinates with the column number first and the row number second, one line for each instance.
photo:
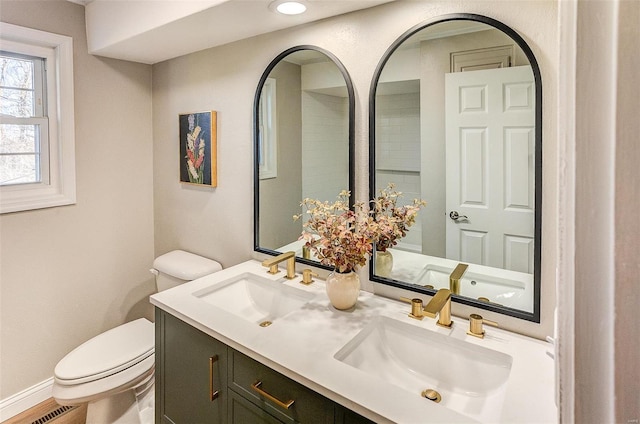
column 213, row 394
column 285, row 405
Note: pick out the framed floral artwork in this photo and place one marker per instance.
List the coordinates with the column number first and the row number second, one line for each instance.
column 198, row 143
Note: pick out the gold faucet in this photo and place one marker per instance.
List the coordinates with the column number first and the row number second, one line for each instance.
column 272, row 264
column 440, row 304
column 455, row 277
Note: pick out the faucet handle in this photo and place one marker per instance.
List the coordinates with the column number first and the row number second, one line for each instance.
column 416, row 307
column 475, row 325
column 307, row 276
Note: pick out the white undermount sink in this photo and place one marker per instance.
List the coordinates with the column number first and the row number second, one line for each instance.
column 504, row 291
column 254, row 298
column 470, row 379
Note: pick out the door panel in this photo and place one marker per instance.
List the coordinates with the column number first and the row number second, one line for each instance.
column 490, row 167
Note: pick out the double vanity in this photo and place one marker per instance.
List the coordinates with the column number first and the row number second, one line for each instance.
column 264, row 348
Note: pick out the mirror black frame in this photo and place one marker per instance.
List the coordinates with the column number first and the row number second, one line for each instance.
column 256, row 126
column 535, row 316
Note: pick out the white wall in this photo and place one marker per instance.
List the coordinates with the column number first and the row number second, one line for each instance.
column 398, row 134
column 599, row 294
column 218, row 223
column 398, row 154
column 283, row 192
column 325, row 146
column 627, row 227
column 69, row 273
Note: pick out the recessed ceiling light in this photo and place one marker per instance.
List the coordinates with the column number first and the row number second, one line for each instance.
column 289, row 7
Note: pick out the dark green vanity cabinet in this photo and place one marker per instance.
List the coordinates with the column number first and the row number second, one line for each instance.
column 191, row 366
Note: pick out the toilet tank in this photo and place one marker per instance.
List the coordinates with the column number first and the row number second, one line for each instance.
column 178, row 266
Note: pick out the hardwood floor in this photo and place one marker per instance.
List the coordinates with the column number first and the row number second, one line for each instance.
column 50, row 412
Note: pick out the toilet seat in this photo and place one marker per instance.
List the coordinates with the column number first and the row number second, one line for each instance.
column 108, row 353
column 137, row 375
column 114, row 361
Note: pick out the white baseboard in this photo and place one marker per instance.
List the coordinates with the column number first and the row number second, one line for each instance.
column 30, row 397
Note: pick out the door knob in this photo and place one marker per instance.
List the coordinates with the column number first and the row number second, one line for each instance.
column 456, row 216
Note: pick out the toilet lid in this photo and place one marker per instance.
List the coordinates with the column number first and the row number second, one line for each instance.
column 107, row 353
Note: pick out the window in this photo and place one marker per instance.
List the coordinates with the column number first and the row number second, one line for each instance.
column 267, row 134
column 37, row 147
column 23, row 123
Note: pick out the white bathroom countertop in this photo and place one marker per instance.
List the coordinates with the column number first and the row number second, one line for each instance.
column 302, row 345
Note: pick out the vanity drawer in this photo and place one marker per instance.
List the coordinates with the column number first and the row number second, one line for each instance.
column 241, row 411
column 272, row 392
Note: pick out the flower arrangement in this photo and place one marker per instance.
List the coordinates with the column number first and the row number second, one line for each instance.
column 343, row 238
column 339, row 236
column 392, row 220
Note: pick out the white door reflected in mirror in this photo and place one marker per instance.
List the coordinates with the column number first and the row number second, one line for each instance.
column 490, row 125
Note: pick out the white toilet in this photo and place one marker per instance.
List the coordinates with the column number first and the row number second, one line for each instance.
column 114, row 371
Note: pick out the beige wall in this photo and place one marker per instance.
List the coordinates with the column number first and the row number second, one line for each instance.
column 627, row 227
column 598, row 349
column 71, row 272
column 218, row 223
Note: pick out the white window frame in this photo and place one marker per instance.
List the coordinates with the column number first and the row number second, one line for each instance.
column 59, row 187
column 268, row 132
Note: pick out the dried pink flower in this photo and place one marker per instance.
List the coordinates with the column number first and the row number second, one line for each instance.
column 343, row 238
column 392, row 220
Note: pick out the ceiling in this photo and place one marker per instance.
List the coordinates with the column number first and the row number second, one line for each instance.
column 151, row 31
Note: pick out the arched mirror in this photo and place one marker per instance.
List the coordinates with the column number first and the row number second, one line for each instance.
column 455, row 119
column 303, row 135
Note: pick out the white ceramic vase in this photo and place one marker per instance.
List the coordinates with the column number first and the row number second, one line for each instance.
column 384, row 263
column 343, row 289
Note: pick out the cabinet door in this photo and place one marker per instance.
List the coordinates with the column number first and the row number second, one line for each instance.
column 191, row 374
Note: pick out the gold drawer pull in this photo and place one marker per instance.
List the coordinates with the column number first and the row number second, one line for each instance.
column 286, row 405
column 213, row 394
